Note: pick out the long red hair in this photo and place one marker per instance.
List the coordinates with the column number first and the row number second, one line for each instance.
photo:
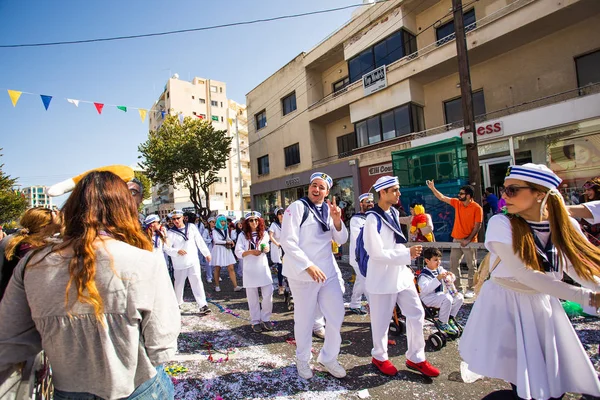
column 100, row 202
column 260, row 229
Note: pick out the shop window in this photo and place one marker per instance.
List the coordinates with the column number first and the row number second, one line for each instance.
column 390, row 124
column 292, row 154
column 385, row 52
column 261, row 119
column 588, row 69
column 445, row 33
column 453, row 108
column 343, row 191
column 345, row 144
column 265, row 203
column 263, row 165
column 288, row 196
column 288, row 103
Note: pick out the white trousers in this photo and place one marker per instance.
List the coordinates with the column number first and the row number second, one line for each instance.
column 240, row 267
column 193, row 274
column 260, row 311
column 358, row 290
column 319, row 320
column 382, row 309
column 447, row 304
column 328, row 296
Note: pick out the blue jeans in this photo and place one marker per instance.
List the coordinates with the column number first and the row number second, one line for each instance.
column 158, row 387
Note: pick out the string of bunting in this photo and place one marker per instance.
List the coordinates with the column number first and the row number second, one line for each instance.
column 15, row 95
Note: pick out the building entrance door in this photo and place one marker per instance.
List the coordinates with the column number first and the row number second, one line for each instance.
column 493, row 171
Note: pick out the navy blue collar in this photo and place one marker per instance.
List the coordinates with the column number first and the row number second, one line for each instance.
column 322, row 217
column 392, row 222
column 182, row 234
column 547, row 255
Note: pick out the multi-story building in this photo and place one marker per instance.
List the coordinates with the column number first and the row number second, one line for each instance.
column 535, row 72
column 205, row 99
column 36, row 197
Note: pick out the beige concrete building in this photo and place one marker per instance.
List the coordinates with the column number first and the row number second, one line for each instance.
column 36, row 197
column 388, row 81
column 206, row 99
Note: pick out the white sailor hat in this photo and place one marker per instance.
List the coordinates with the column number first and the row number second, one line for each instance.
column 176, row 212
column 252, row 214
column 169, row 215
column 151, row 218
column 534, row 173
column 212, row 219
column 365, row 196
column 278, row 210
column 386, row 182
column 324, row 176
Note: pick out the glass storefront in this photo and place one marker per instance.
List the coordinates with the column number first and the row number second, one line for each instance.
column 343, row 190
column 265, row 203
column 288, row 196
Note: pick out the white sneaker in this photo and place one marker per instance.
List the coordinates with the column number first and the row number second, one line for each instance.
column 320, row 333
column 237, row 289
column 217, row 289
column 304, row 370
column 334, row 368
column 470, row 294
column 209, row 280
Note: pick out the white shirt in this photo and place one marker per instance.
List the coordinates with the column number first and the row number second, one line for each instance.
column 594, row 207
column 308, row 245
column 428, row 284
column 176, row 242
column 387, row 269
column 256, row 268
column 356, row 222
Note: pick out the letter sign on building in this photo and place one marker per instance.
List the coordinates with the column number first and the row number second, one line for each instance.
column 374, row 80
column 292, row 182
column 381, row 169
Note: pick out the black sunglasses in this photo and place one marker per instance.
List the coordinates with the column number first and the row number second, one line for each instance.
column 513, row 190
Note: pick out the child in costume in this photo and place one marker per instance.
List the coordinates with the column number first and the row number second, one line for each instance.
column 432, row 281
column 252, row 246
column 518, row 330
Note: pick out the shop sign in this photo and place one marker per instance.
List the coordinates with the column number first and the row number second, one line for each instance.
column 292, row 182
column 189, row 209
column 374, row 80
column 489, row 130
column 381, row 169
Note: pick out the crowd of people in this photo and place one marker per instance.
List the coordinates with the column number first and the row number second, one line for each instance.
column 117, row 287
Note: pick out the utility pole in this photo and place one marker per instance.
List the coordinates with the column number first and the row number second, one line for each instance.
column 237, row 135
column 470, row 133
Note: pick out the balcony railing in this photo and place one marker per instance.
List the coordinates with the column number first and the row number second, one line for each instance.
column 469, row 29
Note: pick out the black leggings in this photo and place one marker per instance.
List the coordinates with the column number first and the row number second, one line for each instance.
column 279, row 274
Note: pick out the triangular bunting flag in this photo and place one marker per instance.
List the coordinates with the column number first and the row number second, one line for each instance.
column 230, row 120
column 163, row 114
column 181, row 118
column 200, row 116
column 72, row 101
column 46, row 100
column 99, row 107
column 122, row 108
column 14, row 96
column 143, row 114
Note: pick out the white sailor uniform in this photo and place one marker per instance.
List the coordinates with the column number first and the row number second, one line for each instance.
column 431, row 291
column 276, row 250
column 187, row 266
column 158, row 248
column 594, row 207
column 356, row 222
column 256, row 275
column 305, row 245
column 390, row 281
column 208, row 268
column 221, row 255
column 520, row 333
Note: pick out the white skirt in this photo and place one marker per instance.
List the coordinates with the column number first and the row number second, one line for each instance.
column 221, row 256
column 275, row 254
column 527, row 340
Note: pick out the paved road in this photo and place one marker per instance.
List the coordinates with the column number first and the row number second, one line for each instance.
column 250, row 365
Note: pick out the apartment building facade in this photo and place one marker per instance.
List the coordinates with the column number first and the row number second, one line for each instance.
column 206, row 99
column 535, row 72
column 36, row 197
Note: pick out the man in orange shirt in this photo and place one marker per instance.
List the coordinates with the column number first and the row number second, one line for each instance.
column 467, row 222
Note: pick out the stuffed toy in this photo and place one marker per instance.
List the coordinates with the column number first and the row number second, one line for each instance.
column 122, row 171
column 449, row 284
column 419, row 221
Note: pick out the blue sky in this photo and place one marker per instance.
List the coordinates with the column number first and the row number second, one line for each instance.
column 43, row 147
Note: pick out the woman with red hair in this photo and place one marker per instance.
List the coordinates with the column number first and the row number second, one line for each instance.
column 252, row 246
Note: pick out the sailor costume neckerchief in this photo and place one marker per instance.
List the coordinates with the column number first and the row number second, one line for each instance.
column 432, row 274
column 321, row 215
column 182, row 234
column 156, row 238
column 222, row 233
column 547, row 255
column 254, row 241
column 390, row 221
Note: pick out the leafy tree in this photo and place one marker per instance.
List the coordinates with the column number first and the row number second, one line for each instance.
column 12, row 203
column 189, row 153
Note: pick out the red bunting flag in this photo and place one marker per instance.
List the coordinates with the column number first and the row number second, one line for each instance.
column 99, row 107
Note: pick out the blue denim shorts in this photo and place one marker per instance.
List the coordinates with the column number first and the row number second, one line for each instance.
column 158, row 387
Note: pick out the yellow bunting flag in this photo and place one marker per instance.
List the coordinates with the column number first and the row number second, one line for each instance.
column 230, row 120
column 143, row 113
column 14, row 96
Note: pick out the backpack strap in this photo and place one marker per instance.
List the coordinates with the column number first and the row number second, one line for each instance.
column 495, row 263
column 304, row 214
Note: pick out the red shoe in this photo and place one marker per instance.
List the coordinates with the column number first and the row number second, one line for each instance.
column 423, row 367
column 385, row 367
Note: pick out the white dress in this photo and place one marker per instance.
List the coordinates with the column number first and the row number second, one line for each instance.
column 221, row 255
column 275, row 250
column 524, row 336
column 256, row 268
